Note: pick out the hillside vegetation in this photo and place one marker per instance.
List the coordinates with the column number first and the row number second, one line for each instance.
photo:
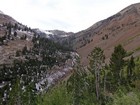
column 28, row 75
column 113, row 84
column 116, row 83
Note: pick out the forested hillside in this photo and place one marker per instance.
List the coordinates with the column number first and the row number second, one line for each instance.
column 114, row 84
column 40, row 68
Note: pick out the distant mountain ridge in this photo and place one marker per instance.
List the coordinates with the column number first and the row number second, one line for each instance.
column 51, row 33
column 121, row 28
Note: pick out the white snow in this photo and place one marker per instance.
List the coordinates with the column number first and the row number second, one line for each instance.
column 52, row 78
column 5, row 94
column 23, row 88
column 2, row 85
column 66, row 35
column 1, row 12
column 37, row 86
column 48, row 34
column 51, row 34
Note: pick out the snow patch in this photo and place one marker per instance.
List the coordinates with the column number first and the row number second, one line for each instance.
column 1, row 12
column 52, row 79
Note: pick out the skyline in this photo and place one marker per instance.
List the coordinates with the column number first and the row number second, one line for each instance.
column 67, row 15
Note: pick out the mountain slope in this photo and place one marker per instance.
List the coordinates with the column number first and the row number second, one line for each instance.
column 53, row 34
column 121, row 28
column 31, row 59
column 6, row 19
column 58, row 36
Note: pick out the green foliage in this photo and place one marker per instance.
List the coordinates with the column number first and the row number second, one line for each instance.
column 121, row 98
column 117, row 63
column 48, row 51
column 56, row 96
column 29, row 96
column 137, row 49
column 129, row 53
column 81, row 86
column 96, row 58
column 76, row 85
column 130, row 68
column 15, row 94
column 44, row 54
column 100, row 84
column 95, row 67
column 18, row 96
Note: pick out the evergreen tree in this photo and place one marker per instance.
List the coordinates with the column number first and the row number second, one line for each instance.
column 130, row 67
column 117, row 63
column 18, row 53
column 29, row 96
column 15, row 34
column 15, row 94
column 16, row 26
column 24, row 50
column 96, row 65
column 76, row 84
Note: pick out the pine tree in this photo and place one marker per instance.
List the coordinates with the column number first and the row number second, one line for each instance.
column 24, row 50
column 15, row 34
column 117, row 63
column 76, row 84
column 29, row 96
column 15, row 94
column 96, row 65
column 130, row 67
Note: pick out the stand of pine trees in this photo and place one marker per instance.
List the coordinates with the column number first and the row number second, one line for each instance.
column 20, row 77
column 115, row 83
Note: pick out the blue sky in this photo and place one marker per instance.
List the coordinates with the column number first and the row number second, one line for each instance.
column 67, row 15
